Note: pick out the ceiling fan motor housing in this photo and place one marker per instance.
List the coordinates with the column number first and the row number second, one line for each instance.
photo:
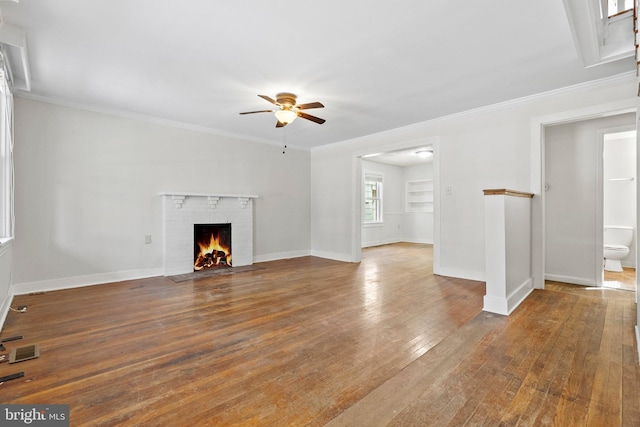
column 286, row 100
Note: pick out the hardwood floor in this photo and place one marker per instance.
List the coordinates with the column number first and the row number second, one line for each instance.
column 625, row 280
column 310, row 341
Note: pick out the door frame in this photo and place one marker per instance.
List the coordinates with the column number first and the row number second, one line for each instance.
column 538, row 125
column 356, row 193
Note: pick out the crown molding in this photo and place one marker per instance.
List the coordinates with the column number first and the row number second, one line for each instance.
column 151, row 119
column 629, row 76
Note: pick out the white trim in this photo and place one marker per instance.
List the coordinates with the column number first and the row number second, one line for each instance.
column 333, row 255
column 281, row 255
column 600, row 225
column 505, row 306
column 437, row 269
column 478, row 276
column 81, row 281
column 380, row 243
column 421, row 241
column 5, row 244
column 357, row 175
column 571, row 279
column 376, row 177
column 390, row 134
column 15, row 39
column 538, row 165
column 372, row 224
column 153, row 119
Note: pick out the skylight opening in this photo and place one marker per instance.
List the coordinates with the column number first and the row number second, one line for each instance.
column 617, row 7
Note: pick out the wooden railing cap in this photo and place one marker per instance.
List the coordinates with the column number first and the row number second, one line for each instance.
column 506, row 192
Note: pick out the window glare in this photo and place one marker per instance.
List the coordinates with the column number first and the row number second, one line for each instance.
column 372, row 198
column 617, row 6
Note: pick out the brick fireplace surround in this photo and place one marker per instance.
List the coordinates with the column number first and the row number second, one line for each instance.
column 181, row 211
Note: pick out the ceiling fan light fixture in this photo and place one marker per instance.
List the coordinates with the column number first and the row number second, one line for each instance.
column 286, row 116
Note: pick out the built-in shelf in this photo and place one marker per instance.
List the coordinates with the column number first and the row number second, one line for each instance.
column 419, row 195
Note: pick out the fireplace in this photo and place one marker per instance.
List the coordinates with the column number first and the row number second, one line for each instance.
column 181, row 212
column 211, row 246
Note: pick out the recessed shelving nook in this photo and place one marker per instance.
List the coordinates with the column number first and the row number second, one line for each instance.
column 419, row 195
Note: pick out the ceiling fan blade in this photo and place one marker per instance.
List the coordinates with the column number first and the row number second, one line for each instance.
column 280, row 124
column 266, row 98
column 310, row 117
column 309, row 106
column 259, row 111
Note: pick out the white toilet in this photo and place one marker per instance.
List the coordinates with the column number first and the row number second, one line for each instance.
column 617, row 239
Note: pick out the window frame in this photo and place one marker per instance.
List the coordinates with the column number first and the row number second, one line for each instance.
column 378, row 200
column 6, row 156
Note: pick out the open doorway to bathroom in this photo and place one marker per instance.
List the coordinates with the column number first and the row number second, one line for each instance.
column 574, row 198
column 619, row 209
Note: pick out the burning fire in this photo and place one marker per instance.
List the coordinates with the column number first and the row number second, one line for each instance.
column 212, row 254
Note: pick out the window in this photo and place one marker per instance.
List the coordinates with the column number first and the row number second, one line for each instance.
column 6, row 157
column 603, row 30
column 616, row 7
column 372, row 198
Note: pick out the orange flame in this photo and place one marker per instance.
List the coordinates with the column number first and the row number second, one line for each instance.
column 212, row 253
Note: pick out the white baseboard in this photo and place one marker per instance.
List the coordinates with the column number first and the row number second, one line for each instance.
column 505, row 306
column 461, row 274
column 569, row 279
column 423, row 241
column 281, row 255
column 80, row 281
column 392, row 241
column 380, row 243
column 332, row 255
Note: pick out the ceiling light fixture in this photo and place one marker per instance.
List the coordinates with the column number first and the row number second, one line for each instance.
column 286, row 116
column 424, row 153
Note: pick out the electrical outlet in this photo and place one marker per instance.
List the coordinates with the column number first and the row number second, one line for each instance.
column 147, row 239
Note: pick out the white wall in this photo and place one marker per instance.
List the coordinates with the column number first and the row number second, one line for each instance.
column 572, row 159
column 87, row 189
column 620, row 194
column 486, row 148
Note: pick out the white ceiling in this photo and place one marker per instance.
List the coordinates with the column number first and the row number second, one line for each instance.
column 374, row 65
column 405, row 157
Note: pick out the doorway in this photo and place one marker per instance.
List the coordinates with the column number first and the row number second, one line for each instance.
column 360, row 157
column 398, row 196
column 573, row 198
column 619, row 208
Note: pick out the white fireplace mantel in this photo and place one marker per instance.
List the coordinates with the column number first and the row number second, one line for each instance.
column 181, row 211
column 178, row 198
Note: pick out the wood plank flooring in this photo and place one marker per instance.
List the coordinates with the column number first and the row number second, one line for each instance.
column 626, row 279
column 310, row 341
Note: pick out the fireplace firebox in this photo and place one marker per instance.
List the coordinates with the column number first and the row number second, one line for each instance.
column 211, row 246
